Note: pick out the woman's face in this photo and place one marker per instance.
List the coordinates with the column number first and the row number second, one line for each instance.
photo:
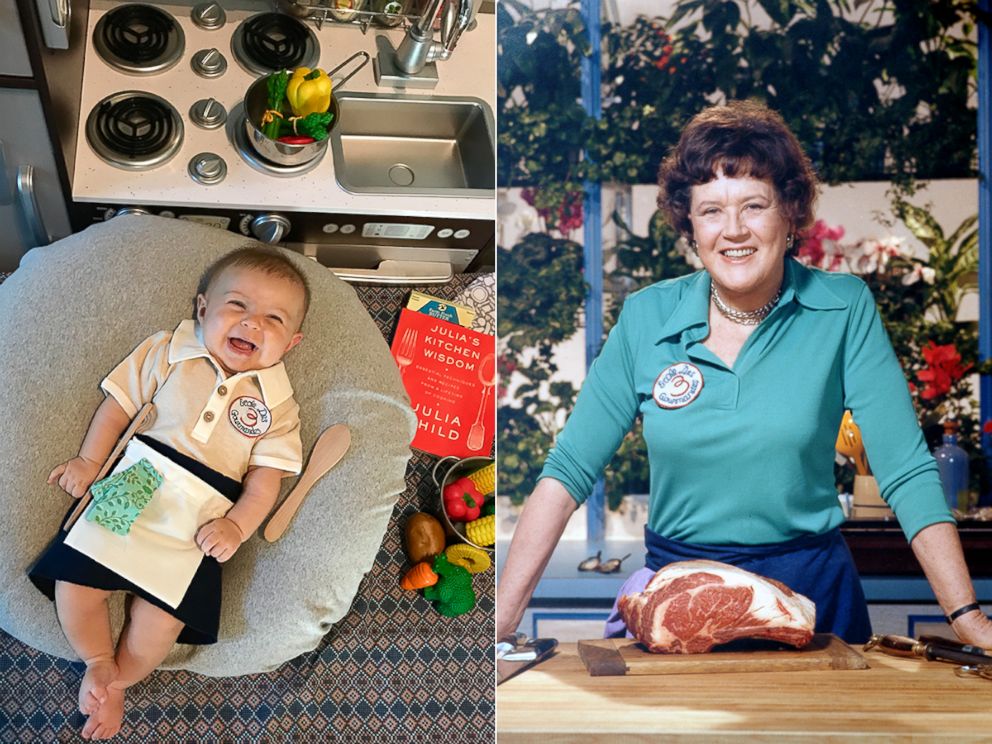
column 741, row 234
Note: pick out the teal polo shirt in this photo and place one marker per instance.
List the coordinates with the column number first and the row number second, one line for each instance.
column 744, row 455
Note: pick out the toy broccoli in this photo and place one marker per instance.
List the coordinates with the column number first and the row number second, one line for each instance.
column 453, row 591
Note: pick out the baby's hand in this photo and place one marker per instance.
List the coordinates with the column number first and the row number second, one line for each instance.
column 75, row 476
column 219, row 538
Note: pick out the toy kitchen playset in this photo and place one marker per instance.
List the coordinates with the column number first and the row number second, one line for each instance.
column 402, row 190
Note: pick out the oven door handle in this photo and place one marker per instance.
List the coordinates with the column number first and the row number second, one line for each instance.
column 399, row 272
column 27, row 200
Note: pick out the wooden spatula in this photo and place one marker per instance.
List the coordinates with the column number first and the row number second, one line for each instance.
column 327, row 452
column 141, row 421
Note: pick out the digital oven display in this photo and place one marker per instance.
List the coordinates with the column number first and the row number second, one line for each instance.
column 396, row 230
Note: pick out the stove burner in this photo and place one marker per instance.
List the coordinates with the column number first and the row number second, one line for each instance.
column 268, row 42
column 134, row 130
column 139, row 39
column 237, row 134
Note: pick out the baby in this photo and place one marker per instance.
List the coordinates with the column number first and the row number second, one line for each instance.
column 193, row 487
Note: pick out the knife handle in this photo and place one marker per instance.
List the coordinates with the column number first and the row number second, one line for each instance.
column 942, row 642
column 935, row 652
column 894, row 645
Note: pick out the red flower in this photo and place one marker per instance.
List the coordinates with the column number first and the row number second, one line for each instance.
column 944, row 369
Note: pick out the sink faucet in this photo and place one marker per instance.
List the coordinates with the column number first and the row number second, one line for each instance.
column 418, row 46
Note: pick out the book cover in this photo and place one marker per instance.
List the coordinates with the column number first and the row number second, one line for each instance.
column 449, row 373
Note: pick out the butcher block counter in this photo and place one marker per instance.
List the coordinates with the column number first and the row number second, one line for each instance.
column 896, row 699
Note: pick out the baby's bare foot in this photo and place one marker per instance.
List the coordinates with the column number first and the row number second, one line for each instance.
column 106, row 721
column 93, row 690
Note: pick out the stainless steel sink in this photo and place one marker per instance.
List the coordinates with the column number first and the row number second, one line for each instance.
column 414, row 145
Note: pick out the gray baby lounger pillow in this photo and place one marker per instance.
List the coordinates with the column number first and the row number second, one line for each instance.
column 72, row 311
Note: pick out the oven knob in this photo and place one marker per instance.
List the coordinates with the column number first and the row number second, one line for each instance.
column 123, row 211
column 208, row 113
column 270, row 228
column 207, row 168
column 209, row 63
column 209, row 16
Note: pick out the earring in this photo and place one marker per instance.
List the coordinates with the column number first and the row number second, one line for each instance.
column 694, row 246
column 789, row 241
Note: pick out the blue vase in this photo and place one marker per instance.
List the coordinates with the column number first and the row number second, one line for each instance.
column 952, row 462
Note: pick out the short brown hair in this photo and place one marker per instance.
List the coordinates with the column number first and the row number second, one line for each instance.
column 742, row 138
column 265, row 259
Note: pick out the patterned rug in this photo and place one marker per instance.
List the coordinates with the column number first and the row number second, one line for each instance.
column 393, row 670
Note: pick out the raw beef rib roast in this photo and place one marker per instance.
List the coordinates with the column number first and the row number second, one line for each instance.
column 691, row 606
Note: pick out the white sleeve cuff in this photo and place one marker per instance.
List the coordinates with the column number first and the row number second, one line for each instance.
column 290, row 466
column 112, row 389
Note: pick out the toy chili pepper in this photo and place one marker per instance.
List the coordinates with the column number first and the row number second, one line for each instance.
column 296, row 139
column 462, row 500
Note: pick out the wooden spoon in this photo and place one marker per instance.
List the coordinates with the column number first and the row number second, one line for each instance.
column 330, row 447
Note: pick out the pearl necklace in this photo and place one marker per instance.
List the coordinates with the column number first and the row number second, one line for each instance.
column 743, row 317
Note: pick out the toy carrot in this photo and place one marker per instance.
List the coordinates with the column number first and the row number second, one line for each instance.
column 418, row 577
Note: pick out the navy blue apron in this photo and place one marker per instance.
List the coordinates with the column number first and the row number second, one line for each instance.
column 818, row 566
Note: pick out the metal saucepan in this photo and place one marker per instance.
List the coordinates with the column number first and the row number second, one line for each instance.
column 457, row 469
column 283, row 153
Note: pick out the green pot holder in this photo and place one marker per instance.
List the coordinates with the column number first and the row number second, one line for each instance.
column 120, row 498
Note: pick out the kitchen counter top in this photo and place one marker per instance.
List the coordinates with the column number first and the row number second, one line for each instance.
column 895, row 700
column 471, row 71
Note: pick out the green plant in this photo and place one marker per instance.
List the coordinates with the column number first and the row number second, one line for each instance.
column 542, row 125
column 873, row 90
column 541, row 294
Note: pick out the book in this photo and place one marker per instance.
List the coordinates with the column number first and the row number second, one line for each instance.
column 443, row 309
column 449, row 372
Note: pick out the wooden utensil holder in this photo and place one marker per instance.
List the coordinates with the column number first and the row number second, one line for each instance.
column 868, row 502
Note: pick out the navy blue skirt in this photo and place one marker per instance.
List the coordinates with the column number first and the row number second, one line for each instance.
column 819, row 566
column 200, row 608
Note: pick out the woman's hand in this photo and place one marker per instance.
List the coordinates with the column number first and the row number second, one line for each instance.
column 75, row 476
column 219, row 539
column 975, row 628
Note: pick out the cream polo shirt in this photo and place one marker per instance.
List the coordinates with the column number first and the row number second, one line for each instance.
column 249, row 419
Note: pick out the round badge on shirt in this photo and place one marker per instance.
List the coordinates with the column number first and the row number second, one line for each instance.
column 250, row 416
column 678, row 385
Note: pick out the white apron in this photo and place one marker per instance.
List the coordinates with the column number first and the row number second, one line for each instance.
column 159, row 553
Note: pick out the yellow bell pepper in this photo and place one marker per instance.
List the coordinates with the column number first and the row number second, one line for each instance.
column 309, row 91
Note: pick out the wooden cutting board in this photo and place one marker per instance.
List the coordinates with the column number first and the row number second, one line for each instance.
column 625, row 656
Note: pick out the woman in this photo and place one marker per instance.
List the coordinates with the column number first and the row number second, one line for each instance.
column 742, row 372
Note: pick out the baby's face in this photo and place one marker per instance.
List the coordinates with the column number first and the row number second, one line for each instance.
column 250, row 319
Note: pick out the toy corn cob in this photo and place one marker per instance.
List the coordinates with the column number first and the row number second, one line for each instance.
column 482, row 531
column 485, row 479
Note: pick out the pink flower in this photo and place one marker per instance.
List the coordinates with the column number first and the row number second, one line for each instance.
column 875, row 254
column 918, row 272
column 819, row 247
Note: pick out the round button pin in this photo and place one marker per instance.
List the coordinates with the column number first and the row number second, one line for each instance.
column 677, row 386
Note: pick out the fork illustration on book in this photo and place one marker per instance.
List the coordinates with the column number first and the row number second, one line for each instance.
column 407, row 349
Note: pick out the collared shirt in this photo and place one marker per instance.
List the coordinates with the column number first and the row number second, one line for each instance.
column 226, row 422
column 744, row 455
